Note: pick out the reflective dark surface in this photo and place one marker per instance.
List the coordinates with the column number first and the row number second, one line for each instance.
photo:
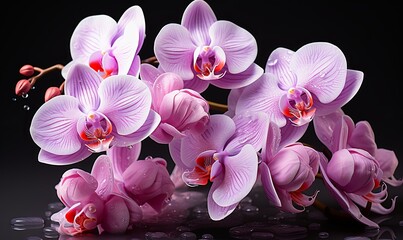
column 369, row 34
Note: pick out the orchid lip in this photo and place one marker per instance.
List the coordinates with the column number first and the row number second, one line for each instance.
column 208, row 62
column 297, row 105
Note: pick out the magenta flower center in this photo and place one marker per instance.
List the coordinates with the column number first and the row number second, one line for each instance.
column 208, row 62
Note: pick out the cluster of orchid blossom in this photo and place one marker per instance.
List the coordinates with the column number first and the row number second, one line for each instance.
column 111, row 100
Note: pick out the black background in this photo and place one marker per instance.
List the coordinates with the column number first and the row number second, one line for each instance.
column 369, row 34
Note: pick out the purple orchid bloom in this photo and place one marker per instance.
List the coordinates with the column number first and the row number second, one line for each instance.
column 287, row 171
column 145, row 181
column 91, row 116
column 207, row 50
column 360, row 135
column 181, row 110
column 225, row 154
column 93, row 202
column 352, row 175
column 107, row 46
column 296, row 86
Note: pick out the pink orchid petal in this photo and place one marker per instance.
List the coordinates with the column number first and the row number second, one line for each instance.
column 92, row 34
column 321, row 68
column 291, row 133
column 122, row 157
column 126, row 101
column 215, row 136
column 149, row 73
column 124, row 48
column 175, row 153
column 353, row 83
column 238, row 80
column 375, row 207
column 116, row 216
column 287, row 203
column 196, row 84
column 388, row 163
column 164, row 84
column 135, row 67
column 278, row 64
column 54, row 126
column 217, row 212
column 151, row 123
column 240, row 176
column 251, row 128
column 197, row 18
column 272, row 142
column 263, row 96
column 102, row 170
column 341, row 133
column 135, row 15
column 83, row 82
column 325, row 125
column 341, row 167
column 363, row 137
column 174, row 48
column 268, row 185
column 55, row 159
column 239, row 45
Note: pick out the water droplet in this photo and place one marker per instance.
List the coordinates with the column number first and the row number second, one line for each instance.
column 323, row 235
column 148, row 158
column 272, row 62
column 55, row 206
column 314, row 226
column 322, row 74
column 240, row 230
column 130, row 146
column 262, row 235
column 26, row 107
column 250, row 209
column 33, row 88
column 155, row 235
column 27, row 221
column 188, row 236
column 207, row 236
column 24, row 95
column 14, row 99
column 33, row 238
column 357, row 238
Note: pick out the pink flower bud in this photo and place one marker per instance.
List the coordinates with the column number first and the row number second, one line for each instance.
column 354, row 171
column 22, row 87
column 51, row 93
column 27, row 70
column 148, row 181
column 76, row 186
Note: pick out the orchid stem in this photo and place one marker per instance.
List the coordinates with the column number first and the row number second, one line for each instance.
column 218, row 106
column 44, row 71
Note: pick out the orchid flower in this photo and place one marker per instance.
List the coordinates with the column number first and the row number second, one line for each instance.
column 296, row 86
column 207, row 50
column 91, row 116
column 107, row 46
column 287, row 171
column 144, row 181
column 360, row 135
column 93, row 202
column 352, row 175
column 225, row 154
column 181, row 110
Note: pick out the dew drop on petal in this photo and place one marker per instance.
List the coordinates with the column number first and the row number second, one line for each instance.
column 272, row 62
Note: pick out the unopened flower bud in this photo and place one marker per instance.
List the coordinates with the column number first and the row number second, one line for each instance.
column 22, row 87
column 27, row 70
column 51, row 93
